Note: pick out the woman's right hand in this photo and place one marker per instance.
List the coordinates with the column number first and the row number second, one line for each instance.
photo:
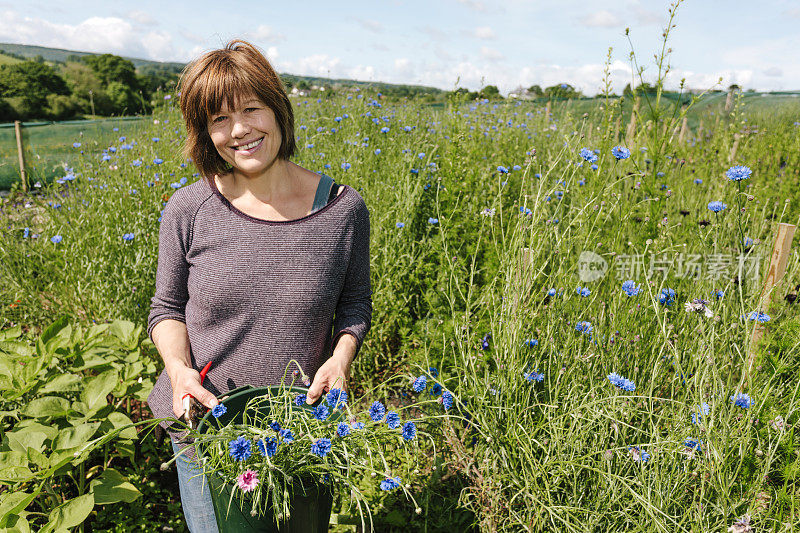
column 187, row 380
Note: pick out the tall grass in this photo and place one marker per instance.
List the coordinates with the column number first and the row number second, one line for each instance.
column 449, row 227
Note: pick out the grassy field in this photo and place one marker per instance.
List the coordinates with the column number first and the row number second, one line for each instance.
column 591, row 313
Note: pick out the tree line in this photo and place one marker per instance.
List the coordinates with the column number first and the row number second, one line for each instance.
column 90, row 85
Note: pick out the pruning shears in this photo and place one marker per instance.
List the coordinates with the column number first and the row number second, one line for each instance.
column 187, row 398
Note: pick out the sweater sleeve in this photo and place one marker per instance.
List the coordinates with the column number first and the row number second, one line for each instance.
column 172, row 273
column 354, row 309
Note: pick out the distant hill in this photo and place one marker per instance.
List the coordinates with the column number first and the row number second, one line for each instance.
column 59, row 55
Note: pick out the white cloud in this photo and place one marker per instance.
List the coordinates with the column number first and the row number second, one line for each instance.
column 484, row 32
column 403, row 68
column 95, row 34
column 775, row 72
column 435, row 34
column 491, row 54
column 141, row 17
column 473, row 4
column 314, row 65
column 371, row 25
column 266, row 33
column 601, row 19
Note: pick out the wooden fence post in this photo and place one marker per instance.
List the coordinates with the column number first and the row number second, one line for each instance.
column 777, row 268
column 547, row 113
column 684, row 131
column 632, row 124
column 22, row 173
column 732, row 155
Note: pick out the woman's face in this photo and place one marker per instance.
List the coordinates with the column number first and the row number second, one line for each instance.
column 247, row 137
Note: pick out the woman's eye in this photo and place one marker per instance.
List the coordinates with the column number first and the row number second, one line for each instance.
column 218, row 119
column 253, row 108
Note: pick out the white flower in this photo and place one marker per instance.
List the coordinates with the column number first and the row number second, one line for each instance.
column 699, row 306
column 741, row 526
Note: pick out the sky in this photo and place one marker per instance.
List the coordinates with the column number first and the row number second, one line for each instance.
column 442, row 43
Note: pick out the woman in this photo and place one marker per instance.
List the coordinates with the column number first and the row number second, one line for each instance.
column 258, row 264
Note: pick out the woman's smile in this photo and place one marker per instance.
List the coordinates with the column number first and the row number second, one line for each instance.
column 248, row 148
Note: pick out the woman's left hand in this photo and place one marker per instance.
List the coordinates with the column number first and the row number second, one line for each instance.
column 334, row 372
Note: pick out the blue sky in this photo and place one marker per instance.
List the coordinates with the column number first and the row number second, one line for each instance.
column 478, row 42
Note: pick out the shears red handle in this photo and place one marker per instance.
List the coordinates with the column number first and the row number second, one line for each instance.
column 186, row 396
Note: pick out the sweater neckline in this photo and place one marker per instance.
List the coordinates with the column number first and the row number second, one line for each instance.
column 212, row 184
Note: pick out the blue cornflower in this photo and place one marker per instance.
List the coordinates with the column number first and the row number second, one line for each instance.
column 667, row 297
column 321, row 447
column 128, row 236
column 698, row 181
column 759, row 316
column 485, row 341
column 300, row 399
column 419, row 384
column 534, row 376
column 76, row 145
column 530, row 343
column 400, row 225
column 694, row 444
column 286, row 435
column 621, row 382
column 551, row 292
column 385, row 129
column 434, row 372
column 346, row 166
column 321, row 412
column 717, row 206
column 639, row 455
column 358, row 425
column 516, row 167
column 436, row 390
column 390, row 483
column 337, row 398
column 584, row 291
column 699, row 412
column 156, row 139
column 275, row 426
column 719, row 293
column 219, row 410
column 421, row 155
column 377, row 151
column 584, row 326
column 55, row 239
column 588, row 155
column 447, row 400
column 158, row 161
column 240, row 449
column 630, row 288
column 377, row 411
column 392, row 420
column 620, row 152
column 267, row 448
column 136, row 162
column 409, row 430
column 342, row 429
column 742, row 400
column 433, row 220
column 738, row 173
column 747, row 242
column 502, row 170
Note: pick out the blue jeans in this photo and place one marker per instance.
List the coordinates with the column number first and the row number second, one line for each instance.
column 195, row 495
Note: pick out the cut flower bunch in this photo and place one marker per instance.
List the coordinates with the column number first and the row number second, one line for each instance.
column 279, row 445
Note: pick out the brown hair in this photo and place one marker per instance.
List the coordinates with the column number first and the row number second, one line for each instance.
column 237, row 70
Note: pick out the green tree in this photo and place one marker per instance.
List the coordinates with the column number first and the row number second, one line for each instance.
column 32, row 82
column 123, row 99
column 491, row 92
column 536, row 90
column 109, row 67
column 562, row 90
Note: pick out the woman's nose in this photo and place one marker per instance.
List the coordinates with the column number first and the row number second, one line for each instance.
column 240, row 127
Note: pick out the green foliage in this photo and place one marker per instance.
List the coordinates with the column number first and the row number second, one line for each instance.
column 32, row 82
column 59, row 393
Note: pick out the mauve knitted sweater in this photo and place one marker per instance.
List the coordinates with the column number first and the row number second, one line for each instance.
column 255, row 294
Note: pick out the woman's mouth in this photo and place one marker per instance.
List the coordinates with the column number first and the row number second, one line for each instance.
column 248, row 149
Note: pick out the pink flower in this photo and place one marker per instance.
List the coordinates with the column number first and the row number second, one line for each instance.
column 248, row 480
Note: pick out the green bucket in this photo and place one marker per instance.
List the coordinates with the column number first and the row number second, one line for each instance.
column 311, row 501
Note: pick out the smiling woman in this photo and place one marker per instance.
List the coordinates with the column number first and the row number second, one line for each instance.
column 260, row 262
